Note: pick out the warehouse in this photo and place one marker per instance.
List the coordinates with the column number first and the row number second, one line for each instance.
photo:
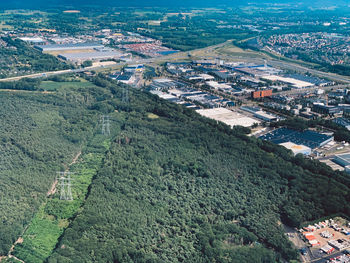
column 296, row 149
column 33, row 40
column 342, row 159
column 308, row 138
column 73, row 46
column 291, row 81
column 93, row 56
column 265, row 116
column 343, row 122
column 228, row 117
column 166, row 84
column 325, row 109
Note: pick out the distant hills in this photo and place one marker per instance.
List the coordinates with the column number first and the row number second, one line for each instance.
column 39, row 4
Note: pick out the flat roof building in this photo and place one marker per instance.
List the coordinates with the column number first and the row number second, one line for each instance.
column 265, row 116
column 342, row 159
column 308, row 138
column 297, row 148
column 93, row 56
column 72, row 46
column 228, row 117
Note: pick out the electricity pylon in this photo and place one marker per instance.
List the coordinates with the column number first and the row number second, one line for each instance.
column 66, row 186
column 105, row 125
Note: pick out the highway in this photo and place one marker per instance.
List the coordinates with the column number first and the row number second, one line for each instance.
column 176, row 56
column 58, row 72
column 208, row 52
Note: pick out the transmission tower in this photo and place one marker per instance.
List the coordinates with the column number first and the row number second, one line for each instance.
column 105, row 125
column 66, row 186
column 125, row 97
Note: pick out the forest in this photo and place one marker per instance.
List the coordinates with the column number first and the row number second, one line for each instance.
column 176, row 187
column 40, row 134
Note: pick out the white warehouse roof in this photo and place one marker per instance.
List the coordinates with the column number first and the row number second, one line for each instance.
column 228, row 117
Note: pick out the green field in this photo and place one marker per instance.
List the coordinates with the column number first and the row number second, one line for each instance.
column 67, row 85
column 54, row 216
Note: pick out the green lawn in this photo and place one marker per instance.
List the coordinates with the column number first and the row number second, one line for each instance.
column 54, row 86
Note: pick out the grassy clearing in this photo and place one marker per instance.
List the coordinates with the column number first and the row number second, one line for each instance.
column 39, row 239
column 152, row 116
column 54, row 86
column 54, row 216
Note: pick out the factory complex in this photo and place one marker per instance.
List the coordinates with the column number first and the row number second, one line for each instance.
column 298, row 141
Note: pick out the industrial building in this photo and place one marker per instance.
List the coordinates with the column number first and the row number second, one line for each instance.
column 93, row 56
column 261, row 93
column 343, row 122
column 166, row 84
column 262, row 115
column 72, row 46
column 325, row 109
column 290, row 81
column 126, row 78
column 296, row 149
column 343, row 160
column 33, row 40
column 307, row 138
column 228, row 117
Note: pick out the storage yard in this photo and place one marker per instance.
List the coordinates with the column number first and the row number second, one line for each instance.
column 319, row 241
column 148, row 49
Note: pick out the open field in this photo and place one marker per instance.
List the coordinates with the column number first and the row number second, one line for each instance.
column 231, row 50
column 54, row 86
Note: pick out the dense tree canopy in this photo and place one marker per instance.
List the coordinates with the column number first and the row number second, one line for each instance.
column 181, row 188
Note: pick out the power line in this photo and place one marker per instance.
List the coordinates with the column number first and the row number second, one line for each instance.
column 66, row 186
column 105, row 125
column 125, row 97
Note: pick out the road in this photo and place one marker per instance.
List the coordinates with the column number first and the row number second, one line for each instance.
column 324, row 259
column 58, row 72
column 171, row 57
column 202, row 53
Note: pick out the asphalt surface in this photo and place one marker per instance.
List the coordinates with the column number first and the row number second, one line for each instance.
column 323, row 260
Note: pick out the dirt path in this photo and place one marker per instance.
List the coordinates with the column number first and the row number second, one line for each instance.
column 75, row 159
column 49, row 193
column 53, row 188
column 18, row 241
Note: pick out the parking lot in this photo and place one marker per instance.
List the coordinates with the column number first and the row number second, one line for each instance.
column 326, row 241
